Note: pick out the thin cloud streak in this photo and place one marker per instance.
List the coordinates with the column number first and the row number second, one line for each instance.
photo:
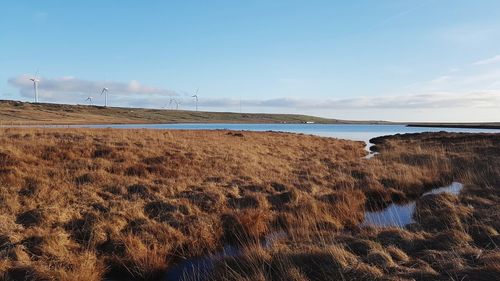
column 492, row 60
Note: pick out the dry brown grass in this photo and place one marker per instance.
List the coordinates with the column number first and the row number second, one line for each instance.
column 90, row 204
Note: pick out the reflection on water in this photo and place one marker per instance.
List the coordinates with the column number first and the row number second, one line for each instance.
column 454, row 189
column 394, row 215
column 198, row 269
column 402, row 215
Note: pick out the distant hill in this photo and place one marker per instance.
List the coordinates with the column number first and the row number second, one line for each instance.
column 17, row 113
column 26, row 113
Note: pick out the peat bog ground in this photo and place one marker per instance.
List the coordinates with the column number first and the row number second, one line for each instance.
column 110, row 204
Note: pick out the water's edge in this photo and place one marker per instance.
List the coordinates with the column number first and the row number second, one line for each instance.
column 401, row 215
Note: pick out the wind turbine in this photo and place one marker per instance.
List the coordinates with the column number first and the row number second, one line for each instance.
column 105, row 92
column 172, row 100
column 196, row 97
column 89, row 99
column 35, row 81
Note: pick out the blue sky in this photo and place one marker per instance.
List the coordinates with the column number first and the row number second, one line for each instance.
column 426, row 60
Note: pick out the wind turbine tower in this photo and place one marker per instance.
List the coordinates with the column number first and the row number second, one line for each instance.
column 35, row 81
column 89, row 99
column 172, row 100
column 196, row 97
column 105, row 92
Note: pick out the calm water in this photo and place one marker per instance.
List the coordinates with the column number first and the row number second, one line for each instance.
column 343, row 131
column 402, row 215
column 197, row 269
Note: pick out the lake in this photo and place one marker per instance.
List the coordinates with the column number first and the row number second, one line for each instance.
column 360, row 132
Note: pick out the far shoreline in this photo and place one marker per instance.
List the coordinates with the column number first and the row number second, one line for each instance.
column 492, row 126
column 19, row 114
column 488, row 126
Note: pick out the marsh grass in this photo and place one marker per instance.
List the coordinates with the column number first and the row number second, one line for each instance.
column 91, row 204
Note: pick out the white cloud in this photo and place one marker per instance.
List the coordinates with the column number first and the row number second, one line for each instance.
column 134, row 94
column 492, row 60
column 485, row 99
column 71, row 89
column 468, row 79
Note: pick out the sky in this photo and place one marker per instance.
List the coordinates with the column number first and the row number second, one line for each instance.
column 397, row 60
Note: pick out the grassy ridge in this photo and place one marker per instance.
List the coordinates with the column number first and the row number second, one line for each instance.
column 13, row 112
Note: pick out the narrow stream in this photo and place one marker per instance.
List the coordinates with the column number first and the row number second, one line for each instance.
column 371, row 153
column 402, row 215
